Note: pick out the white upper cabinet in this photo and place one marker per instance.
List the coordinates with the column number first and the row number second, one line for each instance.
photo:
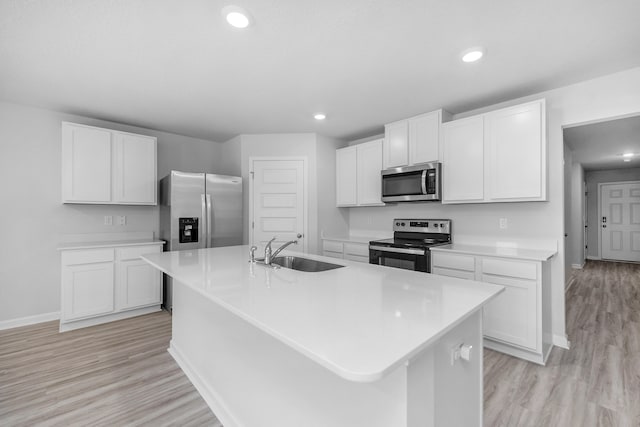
column 396, row 144
column 358, row 181
column 102, row 166
column 424, row 135
column 369, row 165
column 86, row 164
column 516, row 153
column 462, row 160
column 414, row 140
column 346, row 177
column 135, row 177
column 499, row 156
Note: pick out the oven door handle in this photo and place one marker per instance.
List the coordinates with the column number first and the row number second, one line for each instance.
column 397, row 250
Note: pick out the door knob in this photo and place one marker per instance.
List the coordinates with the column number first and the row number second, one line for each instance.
column 299, row 236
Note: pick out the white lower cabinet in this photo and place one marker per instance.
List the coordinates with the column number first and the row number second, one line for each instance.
column 101, row 285
column 87, row 290
column 513, row 322
column 138, row 284
column 353, row 251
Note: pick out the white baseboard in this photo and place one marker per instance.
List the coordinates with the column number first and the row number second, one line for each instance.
column 561, row 341
column 594, row 258
column 29, row 320
column 210, row 396
column 577, row 266
column 92, row 321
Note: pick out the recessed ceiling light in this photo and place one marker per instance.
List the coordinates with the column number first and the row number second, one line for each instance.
column 236, row 16
column 319, row 116
column 627, row 155
column 473, row 54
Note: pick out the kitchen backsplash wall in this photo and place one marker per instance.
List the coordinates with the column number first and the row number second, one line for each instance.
column 479, row 222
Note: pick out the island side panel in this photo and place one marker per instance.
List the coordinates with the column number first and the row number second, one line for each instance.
column 458, row 397
column 440, row 393
column 249, row 378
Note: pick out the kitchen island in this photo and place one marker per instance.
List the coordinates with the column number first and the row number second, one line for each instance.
column 361, row 345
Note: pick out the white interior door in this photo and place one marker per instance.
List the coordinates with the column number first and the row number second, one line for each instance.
column 278, row 203
column 620, row 222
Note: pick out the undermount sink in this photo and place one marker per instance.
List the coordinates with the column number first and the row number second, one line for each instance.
column 303, row 264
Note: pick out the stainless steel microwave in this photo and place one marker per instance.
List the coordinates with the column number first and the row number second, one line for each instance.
column 415, row 183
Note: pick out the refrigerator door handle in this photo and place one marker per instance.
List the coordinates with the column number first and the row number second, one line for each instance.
column 204, row 225
column 209, row 221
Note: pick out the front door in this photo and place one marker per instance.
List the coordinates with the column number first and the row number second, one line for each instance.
column 620, row 222
column 278, row 203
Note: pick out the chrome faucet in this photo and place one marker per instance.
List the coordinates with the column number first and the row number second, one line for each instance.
column 290, row 242
column 269, row 255
column 267, row 251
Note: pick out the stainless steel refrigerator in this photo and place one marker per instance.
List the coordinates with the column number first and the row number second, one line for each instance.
column 199, row 210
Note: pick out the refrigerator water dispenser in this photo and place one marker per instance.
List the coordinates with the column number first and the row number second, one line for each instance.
column 188, row 230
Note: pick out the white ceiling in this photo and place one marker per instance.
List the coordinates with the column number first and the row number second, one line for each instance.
column 177, row 66
column 600, row 146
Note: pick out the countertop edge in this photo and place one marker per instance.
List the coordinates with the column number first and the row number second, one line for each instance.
column 108, row 244
column 530, row 254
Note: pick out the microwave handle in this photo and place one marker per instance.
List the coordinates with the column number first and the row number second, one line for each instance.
column 424, row 181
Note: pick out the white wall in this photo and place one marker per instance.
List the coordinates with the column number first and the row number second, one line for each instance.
column 576, row 256
column 594, row 178
column 331, row 220
column 32, row 218
column 567, row 166
column 611, row 96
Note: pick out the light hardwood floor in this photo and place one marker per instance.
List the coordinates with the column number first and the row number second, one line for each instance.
column 121, row 374
column 597, row 382
column 115, row 374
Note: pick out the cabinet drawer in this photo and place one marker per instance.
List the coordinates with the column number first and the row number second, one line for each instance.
column 502, row 267
column 134, row 252
column 469, row 275
column 332, row 246
column 89, row 256
column 454, row 261
column 357, row 249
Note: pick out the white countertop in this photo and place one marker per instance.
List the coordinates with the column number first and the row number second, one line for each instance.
column 497, row 251
column 360, row 321
column 108, row 244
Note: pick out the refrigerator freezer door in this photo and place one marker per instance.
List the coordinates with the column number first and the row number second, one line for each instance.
column 225, row 214
column 187, row 221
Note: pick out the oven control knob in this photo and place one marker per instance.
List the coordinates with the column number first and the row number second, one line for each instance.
column 435, row 225
column 397, row 223
column 402, row 224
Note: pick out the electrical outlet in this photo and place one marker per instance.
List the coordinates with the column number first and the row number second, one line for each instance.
column 122, row 220
column 108, row 220
column 503, row 223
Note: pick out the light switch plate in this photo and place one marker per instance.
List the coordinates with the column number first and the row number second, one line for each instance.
column 108, row 220
column 503, row 223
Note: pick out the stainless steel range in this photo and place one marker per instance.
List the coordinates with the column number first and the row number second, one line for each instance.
column 409, row 247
